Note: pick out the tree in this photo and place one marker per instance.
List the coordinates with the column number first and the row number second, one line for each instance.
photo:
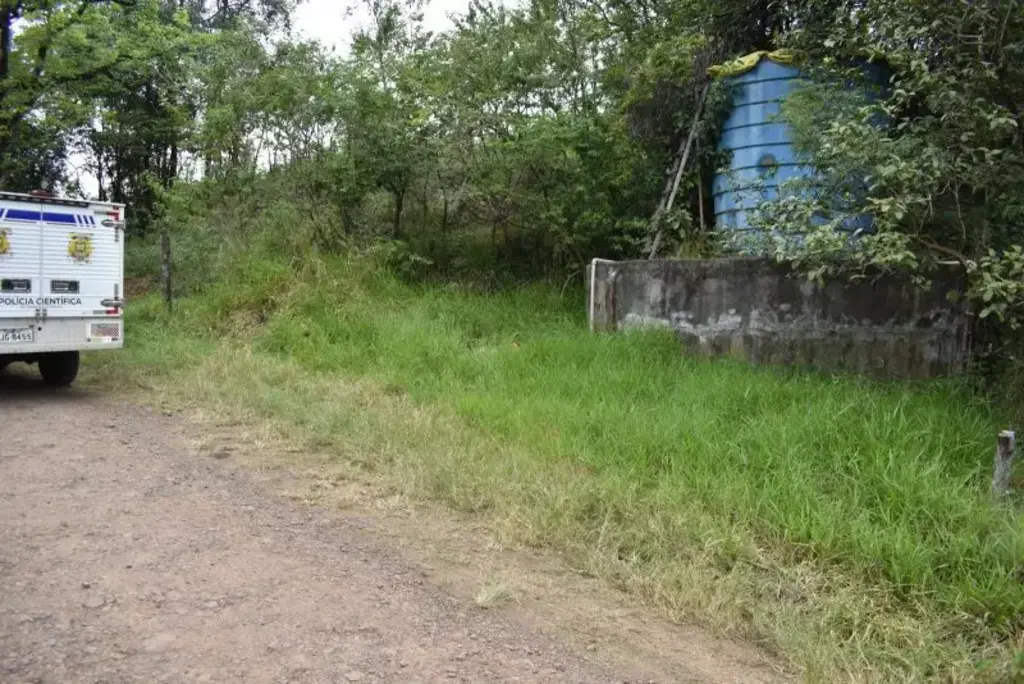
column 936, row 158
column 385, row 123
column 33, row 68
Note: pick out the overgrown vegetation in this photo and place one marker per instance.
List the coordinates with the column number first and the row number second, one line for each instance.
column 935, row 157
column 841, row 523
column 366, row 227
column 542, row 131
column 545, row 129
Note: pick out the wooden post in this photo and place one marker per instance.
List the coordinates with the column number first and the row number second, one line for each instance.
column 1006, row 448
column 165, row 267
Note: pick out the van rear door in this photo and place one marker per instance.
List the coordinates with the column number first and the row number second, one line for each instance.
column 20, row 259
column 82, row 260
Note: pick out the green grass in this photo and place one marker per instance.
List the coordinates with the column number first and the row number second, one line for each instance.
column 840, row 522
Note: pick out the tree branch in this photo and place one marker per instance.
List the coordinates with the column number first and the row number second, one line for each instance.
column 928, row 244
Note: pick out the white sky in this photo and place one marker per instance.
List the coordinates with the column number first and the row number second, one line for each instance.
column 326, row 20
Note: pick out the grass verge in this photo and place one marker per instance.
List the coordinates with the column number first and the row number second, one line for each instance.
column 838, row 522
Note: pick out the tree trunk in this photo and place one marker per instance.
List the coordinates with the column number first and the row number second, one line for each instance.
column 346, row 220
column 396, row 231
column 426, row 209
column 444, row 203
column 101, row 173
column 7, row 17
column 444, row 215
column 171, row 173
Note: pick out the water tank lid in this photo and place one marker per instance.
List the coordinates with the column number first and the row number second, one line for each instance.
column 742, row 65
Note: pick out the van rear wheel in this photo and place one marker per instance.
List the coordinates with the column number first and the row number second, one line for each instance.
column 59, row 369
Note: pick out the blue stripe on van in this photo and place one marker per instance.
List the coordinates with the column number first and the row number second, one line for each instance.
column 23, row 215
column 53, row 217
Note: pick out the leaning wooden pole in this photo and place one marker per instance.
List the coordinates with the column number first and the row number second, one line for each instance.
column 684, row 155
column 700, row 193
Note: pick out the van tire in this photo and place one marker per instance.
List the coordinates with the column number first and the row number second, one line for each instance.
column 59, row 369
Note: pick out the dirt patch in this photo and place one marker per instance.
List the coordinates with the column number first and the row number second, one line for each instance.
column 140, row 546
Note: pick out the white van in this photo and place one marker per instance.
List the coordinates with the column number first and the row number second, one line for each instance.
column 61, row 281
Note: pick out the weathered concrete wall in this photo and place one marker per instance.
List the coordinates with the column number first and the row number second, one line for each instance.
column 760, row 311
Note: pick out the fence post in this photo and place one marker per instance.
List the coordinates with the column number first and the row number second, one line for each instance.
column 1006, row 448
column 165, row 267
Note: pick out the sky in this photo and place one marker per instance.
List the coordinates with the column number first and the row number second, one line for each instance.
column 326, row 20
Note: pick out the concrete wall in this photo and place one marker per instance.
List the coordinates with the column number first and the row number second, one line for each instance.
column 762, row 312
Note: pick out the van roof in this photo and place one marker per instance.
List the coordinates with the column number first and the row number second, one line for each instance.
column 26, row 197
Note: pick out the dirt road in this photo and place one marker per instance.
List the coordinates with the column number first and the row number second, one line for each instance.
column 127, row 557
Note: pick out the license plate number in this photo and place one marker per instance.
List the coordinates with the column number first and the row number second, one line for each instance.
column 16, row 335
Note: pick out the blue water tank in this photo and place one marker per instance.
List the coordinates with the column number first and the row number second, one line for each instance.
column 762, row 150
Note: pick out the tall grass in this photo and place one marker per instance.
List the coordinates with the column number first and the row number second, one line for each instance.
column 856, row 509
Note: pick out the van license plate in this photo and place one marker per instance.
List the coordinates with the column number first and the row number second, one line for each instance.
column 108, row 332
column 16, row 335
